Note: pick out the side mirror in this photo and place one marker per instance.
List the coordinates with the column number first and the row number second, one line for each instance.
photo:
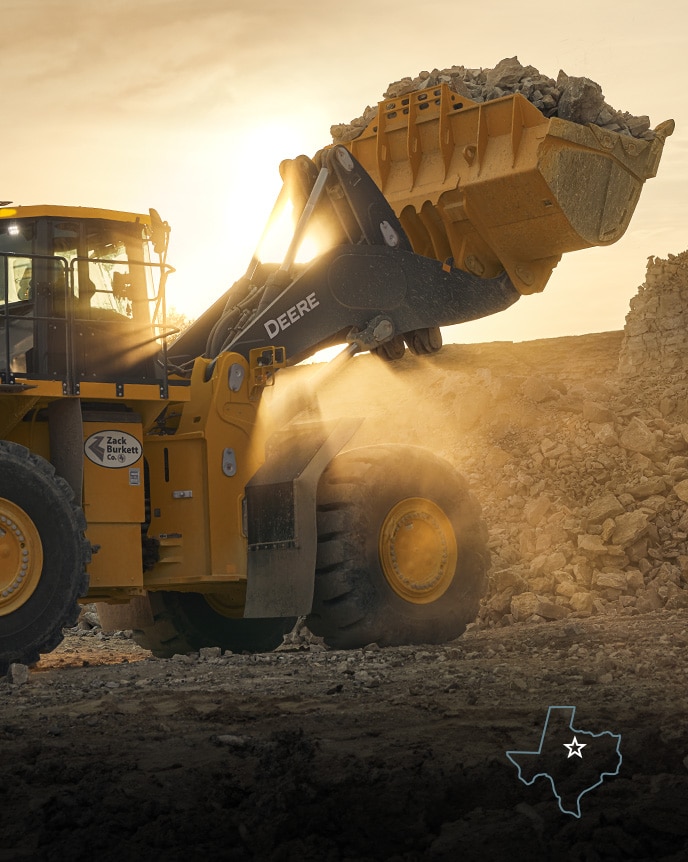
column 160, row 232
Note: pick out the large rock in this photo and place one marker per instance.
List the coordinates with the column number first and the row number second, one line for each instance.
column 610, row 581
column 629, row 527
column 591, row 544
column 581, row 101
column 597, row 413
column 507, row 73
column 582, row 603
column 637, row 437
column 538, row 390
column 529, row 604
column 604, row 507
column 648, row 487
column 18, row 674
column 535, row 510
column 501, row 602
column 524, row 606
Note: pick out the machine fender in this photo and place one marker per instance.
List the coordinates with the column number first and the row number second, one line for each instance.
column 281, row 517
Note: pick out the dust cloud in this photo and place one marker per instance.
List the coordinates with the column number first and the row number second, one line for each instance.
column 412, row 400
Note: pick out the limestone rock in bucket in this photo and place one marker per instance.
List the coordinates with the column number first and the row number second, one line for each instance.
column 577, row 99
column 507, row 73
column 581, row 101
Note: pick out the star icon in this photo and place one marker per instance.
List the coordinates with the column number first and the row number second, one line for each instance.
column 575, row 748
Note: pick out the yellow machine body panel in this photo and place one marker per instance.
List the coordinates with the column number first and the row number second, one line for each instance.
column 116, row 565
column 113, row 498
column 496, row 185
column 198, row 478
column 179, row 510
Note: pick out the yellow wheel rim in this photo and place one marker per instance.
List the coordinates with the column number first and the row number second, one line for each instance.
column 21, row 557
column 230, row 605
column 418, row 550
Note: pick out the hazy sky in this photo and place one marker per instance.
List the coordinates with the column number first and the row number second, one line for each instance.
column 189, row 107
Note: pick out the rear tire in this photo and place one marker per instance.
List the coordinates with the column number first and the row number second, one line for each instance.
column 43, row 556
column 402, row 550
column 186, row 622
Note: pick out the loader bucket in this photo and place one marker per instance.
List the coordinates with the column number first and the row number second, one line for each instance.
column 498, row 186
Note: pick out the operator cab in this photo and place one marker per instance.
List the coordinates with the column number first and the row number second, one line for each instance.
column 80, row 299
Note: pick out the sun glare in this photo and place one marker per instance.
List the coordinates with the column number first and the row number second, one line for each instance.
column 275, row 242
column 239, row 173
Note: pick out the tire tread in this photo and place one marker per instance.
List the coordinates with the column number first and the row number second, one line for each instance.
column 349, row 610
column 67, row 610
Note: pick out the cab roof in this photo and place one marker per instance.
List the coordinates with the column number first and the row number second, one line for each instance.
column 34, row 211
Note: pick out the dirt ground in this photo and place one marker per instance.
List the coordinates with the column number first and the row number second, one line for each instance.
column 310, row 754
column 396, row 754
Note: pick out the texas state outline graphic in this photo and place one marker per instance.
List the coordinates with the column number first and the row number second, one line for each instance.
column 575, row 761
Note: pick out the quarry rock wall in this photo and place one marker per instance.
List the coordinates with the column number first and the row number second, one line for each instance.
column 656, row 330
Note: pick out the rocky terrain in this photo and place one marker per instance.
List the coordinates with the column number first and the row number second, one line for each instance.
column 308, row 754
column 573, row 98
column 578, row 450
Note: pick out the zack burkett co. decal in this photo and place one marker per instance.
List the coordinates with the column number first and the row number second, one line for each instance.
column 113, row 449
column 575, row 761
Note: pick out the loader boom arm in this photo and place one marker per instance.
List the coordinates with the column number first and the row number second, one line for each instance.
column 370, row 275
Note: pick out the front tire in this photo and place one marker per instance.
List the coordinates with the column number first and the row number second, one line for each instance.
column 43, row 556
column 183, row 623
column 402, row 550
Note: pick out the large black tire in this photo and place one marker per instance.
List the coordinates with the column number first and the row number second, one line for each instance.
column 43, row 556
column 402, row 550
column 186, row 622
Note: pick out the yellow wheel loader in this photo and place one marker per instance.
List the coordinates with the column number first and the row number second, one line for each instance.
column 159, row 478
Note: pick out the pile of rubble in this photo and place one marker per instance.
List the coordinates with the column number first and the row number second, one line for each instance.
column 577, row 99
column 585, row 490
column 656, row 331
column 590, row 514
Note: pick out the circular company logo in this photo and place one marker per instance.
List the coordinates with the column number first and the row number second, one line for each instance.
column 113, row 449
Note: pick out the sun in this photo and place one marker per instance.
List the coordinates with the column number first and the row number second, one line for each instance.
column 240, row 181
